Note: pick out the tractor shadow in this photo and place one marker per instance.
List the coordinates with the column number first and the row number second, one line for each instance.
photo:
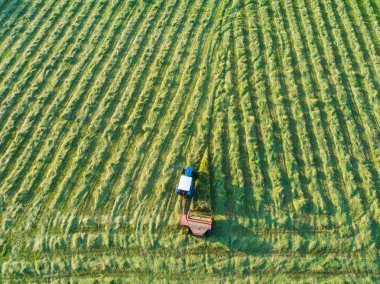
column 234, row 236
column 237, row 238
column 226, row 232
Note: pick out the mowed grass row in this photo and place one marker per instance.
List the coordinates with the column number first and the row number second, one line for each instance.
column 74, row 102
column 99, row 99
column 53, row 141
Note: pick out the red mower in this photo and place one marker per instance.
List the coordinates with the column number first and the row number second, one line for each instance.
column 198, row 223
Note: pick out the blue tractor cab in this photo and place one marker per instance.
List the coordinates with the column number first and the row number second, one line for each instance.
column 186, row 182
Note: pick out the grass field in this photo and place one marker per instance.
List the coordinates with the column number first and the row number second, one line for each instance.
column 278, row 100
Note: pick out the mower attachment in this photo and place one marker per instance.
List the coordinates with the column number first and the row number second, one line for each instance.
column 199, row 223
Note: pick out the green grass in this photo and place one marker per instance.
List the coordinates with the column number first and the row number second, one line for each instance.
column 275, row 103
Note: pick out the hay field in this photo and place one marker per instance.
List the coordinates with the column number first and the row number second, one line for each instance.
column 278, row 99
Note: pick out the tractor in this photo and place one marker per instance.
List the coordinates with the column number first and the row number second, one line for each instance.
column 186, row 182
column 198, row 223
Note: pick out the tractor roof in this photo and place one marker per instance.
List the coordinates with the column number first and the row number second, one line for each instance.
column 184, row 183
